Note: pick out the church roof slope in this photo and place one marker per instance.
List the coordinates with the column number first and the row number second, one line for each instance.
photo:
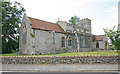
column 40, row 24
column 99, row 38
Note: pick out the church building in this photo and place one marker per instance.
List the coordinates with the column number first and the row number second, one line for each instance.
column 37, row 37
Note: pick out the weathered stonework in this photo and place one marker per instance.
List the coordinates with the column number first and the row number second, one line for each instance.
column 103, row 44
column 40, row 41
column 60, row 60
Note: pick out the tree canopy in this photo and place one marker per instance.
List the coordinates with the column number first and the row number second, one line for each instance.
column 74, row 20
column 11, row 18
column 113, row 36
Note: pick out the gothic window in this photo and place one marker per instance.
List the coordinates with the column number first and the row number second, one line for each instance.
column 24, row 26
column 69, row 41
column 63, row 41
column 33, row 33
column 97, row 45
column 89, row 23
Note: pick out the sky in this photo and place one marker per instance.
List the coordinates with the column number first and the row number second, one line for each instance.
column 102, row 13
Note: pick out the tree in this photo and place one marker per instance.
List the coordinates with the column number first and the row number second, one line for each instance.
column 114, row 37
column 74, row 20
column 11, row 18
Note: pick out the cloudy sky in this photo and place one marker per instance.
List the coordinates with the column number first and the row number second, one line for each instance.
column 103, row 13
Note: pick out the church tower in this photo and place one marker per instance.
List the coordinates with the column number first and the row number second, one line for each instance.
column 85, row 25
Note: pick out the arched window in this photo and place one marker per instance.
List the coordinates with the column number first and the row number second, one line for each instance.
column 97, row 45
column 23, row 26
column 63, row 41
column 69, row 41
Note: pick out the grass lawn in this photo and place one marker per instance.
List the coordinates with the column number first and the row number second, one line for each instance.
column 104, row 53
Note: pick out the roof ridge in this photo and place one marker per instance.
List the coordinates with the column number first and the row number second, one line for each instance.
column 100, row 35
column 48, row 25
column 42, row 20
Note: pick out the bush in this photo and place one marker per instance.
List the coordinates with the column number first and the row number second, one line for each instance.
column 112, row 47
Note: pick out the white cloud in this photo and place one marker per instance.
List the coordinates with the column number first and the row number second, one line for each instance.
column 97, row 27
column 108, row 1
column 114, row 8
column 112, row 20
column 108, row 11
column 107, row 21
column 51, row 10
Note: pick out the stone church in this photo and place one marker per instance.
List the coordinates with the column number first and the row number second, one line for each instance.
column 36, row 37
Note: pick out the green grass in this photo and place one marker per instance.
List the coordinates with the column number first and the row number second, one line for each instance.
column 103, row 53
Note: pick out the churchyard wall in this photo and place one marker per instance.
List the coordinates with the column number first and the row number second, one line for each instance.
column 59, row 59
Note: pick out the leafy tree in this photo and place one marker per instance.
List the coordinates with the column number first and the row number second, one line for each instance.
column 112, row 47
column 114, row 37
column 74, row 20
column 11, row 18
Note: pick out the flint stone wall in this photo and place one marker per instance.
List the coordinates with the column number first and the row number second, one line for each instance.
column 59, row 60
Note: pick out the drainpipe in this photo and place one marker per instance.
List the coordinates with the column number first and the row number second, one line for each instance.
column 54, row 44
